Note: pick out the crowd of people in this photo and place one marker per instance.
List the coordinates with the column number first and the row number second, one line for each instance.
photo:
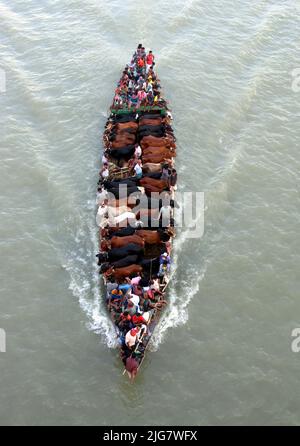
column 132, row 304
column 139, row 84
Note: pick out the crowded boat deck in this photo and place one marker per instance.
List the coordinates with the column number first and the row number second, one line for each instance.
column 135, row 207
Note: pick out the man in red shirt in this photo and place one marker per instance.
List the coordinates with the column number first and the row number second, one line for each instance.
column 149, row 61
column 140, row 63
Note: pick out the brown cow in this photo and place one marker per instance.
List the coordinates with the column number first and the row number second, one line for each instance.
column 120, row 144
column 165, row 153
column 145, row 121
column 152, row 167
column 150, row 237
column 164, row 157
column 125, row 271
column 125, row 135
column 127, row 125
column 153, row 182
column 157, row 141
column 149, row 189
column 155, row 150
column 118, row 242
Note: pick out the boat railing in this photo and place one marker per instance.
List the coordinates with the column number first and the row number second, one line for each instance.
column 118, row 173
column 145, row 108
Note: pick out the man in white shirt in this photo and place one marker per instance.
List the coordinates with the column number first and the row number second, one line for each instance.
column 165, row 215
column 132, row 336
column 104, row 172
column 101, row 196
column 104, row 159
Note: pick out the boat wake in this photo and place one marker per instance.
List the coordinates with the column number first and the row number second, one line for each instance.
column 180, row 293
column 84, row 278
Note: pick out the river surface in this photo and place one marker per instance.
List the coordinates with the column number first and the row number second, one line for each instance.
column 222, row 353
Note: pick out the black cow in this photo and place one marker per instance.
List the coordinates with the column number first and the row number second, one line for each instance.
column 124, row 152
column 116, row 184
column 125, row 261
column 120, row 193
column 150, row 265
column 119, row 253
column 158, row 133
column 130, row 117
column 124, row 232
column 151, row 116
column 155, row 175
column 153, row 128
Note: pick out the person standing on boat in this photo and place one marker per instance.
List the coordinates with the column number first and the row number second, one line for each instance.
column 165, row 173
column 173, row 180
column 150, row 98
column 138, row 151
column 102, row 194
column 165, row 263
column 149, row 61
column 138, row 169
column 133, row 99
column 164, row 215
column 142, row 95
column 104, row 172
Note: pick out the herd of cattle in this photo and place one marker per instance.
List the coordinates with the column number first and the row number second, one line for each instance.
column 125, row 250
column 153, row 132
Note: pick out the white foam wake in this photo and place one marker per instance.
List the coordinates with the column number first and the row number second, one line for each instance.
column 180, row 294
column 85, row 281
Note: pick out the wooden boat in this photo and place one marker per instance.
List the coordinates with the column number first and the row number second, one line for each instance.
column 135, row 232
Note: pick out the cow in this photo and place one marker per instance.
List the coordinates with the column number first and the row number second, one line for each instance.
column 148, row 132
column 123, row 152
column 127, row 138
column 155, row 150
column 115, row 131
column 127, row 271
column 155, row 175
column 125, row 261
column 122, row 183
column 126, row 125
column 152, row 128
column 153, row 237
column 122, row 141
column 121, row 193
column 118, row 242
column 154, row 141
column 152, row 167
column 128, row 117
column 123, row 232
column 150, row 265
column 159, row 184
column 145, row 121
column 150, row 188
column 151, row 116
column 119, row 253
column 158, row 158
column 150, row 237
